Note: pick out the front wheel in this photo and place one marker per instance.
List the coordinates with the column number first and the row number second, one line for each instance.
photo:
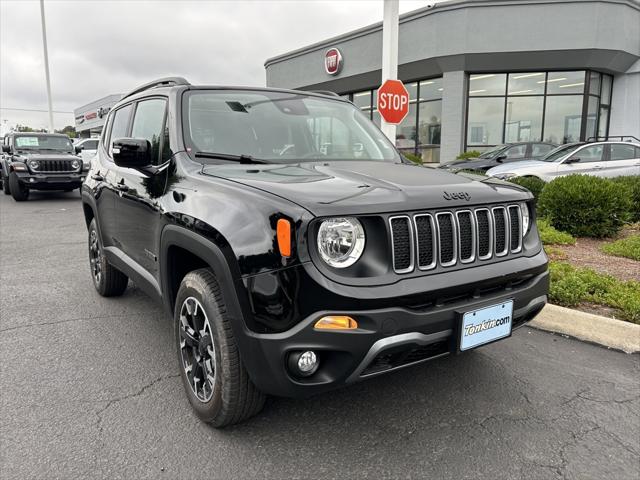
column 5, row 186
column 215, row 380
column 108, row 280
column 19, row 191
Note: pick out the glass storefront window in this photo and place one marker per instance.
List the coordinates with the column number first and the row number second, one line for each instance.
column 362, row 99
column 526, row 83
column 487, row 84
column 431, row 89
column 603, row 122
column 429, row 123
column 563, row 119
column 406, row 131
column 565, row 82
column 412, row 88
column 485, row 121
column 605, row 96
column 523, row 119
column 594, row 83
column 592, row 117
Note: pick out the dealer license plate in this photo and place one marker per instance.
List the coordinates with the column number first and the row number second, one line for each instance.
column 486, row 325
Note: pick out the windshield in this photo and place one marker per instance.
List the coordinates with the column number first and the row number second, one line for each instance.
column 281, row 127
column 492, row 151
column 558, row 152
column 43, row 142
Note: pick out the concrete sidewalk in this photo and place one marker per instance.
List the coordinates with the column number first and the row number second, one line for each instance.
column 617, row 334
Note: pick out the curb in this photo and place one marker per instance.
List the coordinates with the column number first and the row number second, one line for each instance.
column 616, row 334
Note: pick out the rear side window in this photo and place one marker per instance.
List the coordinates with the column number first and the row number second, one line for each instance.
column 541, row 149
column 91, row 145
column 623, row 152
column 119, row 126
column 148, row 124
column 516, row 152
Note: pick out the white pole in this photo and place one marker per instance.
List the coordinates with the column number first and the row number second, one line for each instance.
column 390, row 54
column 46, row 65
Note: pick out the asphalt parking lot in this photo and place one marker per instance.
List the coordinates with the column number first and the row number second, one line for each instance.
column 89, row 389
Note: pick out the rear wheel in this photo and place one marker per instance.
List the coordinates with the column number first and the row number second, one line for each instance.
column 108, row 280
column 19, row 191
column 215, row 380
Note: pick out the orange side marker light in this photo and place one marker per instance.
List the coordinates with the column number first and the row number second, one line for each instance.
column 283, row 230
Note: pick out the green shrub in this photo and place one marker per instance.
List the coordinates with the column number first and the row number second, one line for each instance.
column 585, row 206
column 471, row 171
column 571, row 286
column 627, row 247
column 533, row 184
column 551, row 236
column 469, row 154
column 414, row 158
column 632, row 184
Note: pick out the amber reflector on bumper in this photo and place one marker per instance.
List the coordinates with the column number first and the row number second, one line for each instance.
column 336, row 322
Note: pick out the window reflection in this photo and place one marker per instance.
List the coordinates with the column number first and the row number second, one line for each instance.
column 487, row 84
column 406, row 131
column 565, row 82
column 523, row 119
column 563, row 119
column 486, row 116
column 431, row 89
column 526, row 83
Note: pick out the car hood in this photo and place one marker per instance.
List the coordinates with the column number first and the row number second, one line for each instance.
column 25, row 157
column 515, row 166
column 470, row 164
column 362, row 187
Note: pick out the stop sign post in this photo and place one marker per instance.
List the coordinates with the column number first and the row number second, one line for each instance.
column 393, row 101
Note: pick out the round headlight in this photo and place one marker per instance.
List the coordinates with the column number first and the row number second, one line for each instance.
column 341, row 241
column 33, row 164
column 75, row 164
column 526, row 221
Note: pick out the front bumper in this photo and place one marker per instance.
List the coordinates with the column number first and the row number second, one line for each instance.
column 386, row 339
column 52, row 181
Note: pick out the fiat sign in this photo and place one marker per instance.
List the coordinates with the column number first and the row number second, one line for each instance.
column 393, row 101
column 332, row 61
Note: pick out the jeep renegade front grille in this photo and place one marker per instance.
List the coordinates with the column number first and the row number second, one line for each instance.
column 47, row 166
column 448, row 238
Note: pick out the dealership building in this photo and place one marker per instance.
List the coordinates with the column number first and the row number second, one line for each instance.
column 485, row 72
column 90, row 118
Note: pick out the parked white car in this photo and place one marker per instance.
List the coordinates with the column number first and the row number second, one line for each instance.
column 601, row 159
column 89, row 148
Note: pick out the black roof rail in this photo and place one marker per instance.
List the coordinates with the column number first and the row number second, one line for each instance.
column 325, row 92
column 613, row 137
column 161, row 82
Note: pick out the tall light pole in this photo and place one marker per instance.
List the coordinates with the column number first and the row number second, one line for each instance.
column 389, row 54
column 46, row 65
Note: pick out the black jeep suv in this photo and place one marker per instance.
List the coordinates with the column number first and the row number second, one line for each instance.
column 39, row 161
column 294, row 247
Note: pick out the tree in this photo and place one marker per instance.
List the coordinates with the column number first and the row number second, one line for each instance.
column 69, row 130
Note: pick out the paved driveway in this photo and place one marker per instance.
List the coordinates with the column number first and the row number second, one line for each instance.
column 89, row 388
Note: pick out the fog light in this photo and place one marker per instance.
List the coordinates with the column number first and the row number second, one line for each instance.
column 303, row 364
column 336, row 322
column 32, row 180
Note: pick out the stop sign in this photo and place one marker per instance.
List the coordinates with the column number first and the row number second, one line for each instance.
column 393, row 101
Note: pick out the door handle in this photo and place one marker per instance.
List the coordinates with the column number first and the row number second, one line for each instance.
column 122, row 188
column 97, row 177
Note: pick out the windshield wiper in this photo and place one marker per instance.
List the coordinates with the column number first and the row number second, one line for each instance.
column 230, row 157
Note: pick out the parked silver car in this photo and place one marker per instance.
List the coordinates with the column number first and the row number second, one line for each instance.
column 601, row 159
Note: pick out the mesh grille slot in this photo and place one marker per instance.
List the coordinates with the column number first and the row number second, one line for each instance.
column 447, row 239
column 465, row 229
column 514, row 217
column 401, row 237
column 484, row 235
column 500, row 222
column 424, row 230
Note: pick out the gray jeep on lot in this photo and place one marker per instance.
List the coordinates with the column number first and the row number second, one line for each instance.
column 39, row 161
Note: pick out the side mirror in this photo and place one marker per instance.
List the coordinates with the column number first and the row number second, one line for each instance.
column 79, row 148
column 500, row 158
column 6, row 149
column 132, row 153
column 572, row 160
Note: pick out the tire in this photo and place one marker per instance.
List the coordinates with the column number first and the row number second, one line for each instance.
column 5, row 186
column 19, row 192
column 227, row 395
column 108, row 280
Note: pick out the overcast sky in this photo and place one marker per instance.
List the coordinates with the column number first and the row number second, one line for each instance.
column 97, row 47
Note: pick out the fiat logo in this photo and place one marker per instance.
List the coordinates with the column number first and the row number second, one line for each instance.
column 332, row 61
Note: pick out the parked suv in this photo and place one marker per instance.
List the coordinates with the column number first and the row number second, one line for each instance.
column 39, row 161
column 294, row 248
column 600, row 159
column 511, row 152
